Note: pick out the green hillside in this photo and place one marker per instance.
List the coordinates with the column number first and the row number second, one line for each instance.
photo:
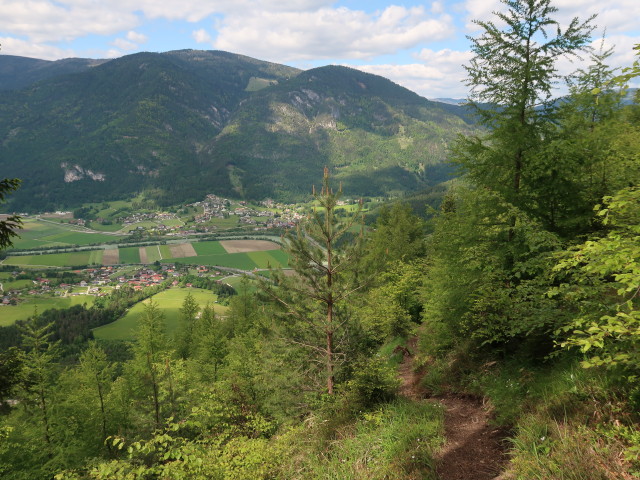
column 186, row 123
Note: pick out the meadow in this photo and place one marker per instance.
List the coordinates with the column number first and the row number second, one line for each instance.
column 169, row 302
column 42, row 234
column 10, row 313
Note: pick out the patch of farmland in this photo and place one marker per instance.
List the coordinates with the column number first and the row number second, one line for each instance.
column 169, row 302
column 52, row 259
column 143, row 254
column 165, row 251
column 266, row 259
column 241, row 261
column 48, row 234
column 111, row 257
column 10, row 313
column 208, row 248
column 243, row 246
column 129, row 255
column 153, row 253
column 182, row 250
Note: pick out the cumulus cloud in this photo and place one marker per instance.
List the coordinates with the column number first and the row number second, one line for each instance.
column 43, row 21
column 330, row 33
column 440, row 75
column 136, row 37
column 201, row 36
column 124, row 44
column 22, row 48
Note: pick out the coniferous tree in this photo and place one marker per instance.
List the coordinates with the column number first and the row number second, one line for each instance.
column 38, row 370
column 149, row 347
column 323, row 280
column 184, row 336
column 511, row 77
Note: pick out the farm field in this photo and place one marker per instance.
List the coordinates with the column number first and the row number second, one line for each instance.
column 10, row 313
column 169, row 302
column 241, row 254
column 87, row 257
column 38, row 234
column 129, row 255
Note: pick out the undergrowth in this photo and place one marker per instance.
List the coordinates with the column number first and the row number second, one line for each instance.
column 566, row 422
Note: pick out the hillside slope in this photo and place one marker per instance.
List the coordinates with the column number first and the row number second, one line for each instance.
column 185, row 123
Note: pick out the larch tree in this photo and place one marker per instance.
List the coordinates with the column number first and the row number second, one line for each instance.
column 511, row 76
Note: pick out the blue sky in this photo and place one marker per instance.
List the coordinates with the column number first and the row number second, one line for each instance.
column 420, row 45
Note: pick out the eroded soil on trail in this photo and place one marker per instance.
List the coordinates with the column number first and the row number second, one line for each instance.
column 474, row 449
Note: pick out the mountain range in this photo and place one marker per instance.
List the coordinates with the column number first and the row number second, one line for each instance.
column 181, row 124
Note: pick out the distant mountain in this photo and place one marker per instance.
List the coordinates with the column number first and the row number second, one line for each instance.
column 450, row 101
column 20, row 72
column 184, row 123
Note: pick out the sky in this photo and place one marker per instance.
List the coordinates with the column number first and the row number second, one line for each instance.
column 419, row 45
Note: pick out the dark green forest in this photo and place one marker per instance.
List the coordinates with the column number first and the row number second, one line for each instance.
column 521, row 290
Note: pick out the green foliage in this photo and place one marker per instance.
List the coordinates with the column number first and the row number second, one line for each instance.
column 393, row 307
column 398, row 236
column 476, row 287
column 9, row 226
column 314, row 300
column 604, row 279
column 184, row 335
column 397, row 440
column 511, row 77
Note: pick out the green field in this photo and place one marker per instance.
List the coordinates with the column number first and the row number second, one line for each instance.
column 209, row 248
column 129, row 255
column 10, row 313
column 209, row 253
column 241, row 261
column 169, row 301
column 153, row 253
column 87, row 257
column 37, row 234
column 269, row 259
column 165, row 251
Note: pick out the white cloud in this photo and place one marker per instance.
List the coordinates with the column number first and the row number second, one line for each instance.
column 136, row 37
column 201, row 36
column 47, row 21
column 124, row 44
column 441, row 74
column 330, row 33
column 21, row 48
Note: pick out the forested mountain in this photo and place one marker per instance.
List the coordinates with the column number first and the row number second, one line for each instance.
column 20, row 72
column 186, row 123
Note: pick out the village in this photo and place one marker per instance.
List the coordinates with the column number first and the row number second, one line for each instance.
column 96, row 282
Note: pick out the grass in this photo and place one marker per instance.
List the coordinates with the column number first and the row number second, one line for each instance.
column 169, row 301
column 38, row 234
column 165, row 251
column 209, row 253
column 395, row 441
column 10, row 313
column 209, row 248
column 87, row 257
column 130, row 255
column 153, row 253
column 241, row 261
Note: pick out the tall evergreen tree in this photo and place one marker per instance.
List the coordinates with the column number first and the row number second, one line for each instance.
column 184, row 336
column 511, row 77
column 322, row 282
column 38, row 370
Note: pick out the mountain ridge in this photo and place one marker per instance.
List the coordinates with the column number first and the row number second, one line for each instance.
column 184, row 123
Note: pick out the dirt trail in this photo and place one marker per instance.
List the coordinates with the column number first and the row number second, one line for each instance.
column 474, row 450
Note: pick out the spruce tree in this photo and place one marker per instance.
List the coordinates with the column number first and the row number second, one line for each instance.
column 324, row 278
